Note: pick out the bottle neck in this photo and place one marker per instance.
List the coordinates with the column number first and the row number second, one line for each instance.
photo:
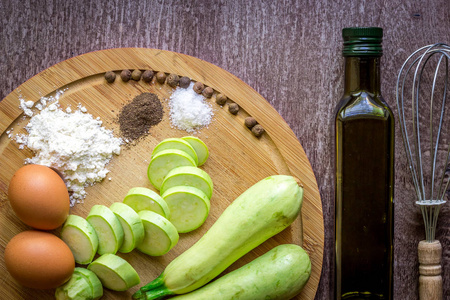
column 362, row 74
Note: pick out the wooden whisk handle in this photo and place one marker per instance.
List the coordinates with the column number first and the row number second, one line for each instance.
column 430, row 279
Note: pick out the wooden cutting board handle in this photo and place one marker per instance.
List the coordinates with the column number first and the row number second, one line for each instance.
column 430, row 279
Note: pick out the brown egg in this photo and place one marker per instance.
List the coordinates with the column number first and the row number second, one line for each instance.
column 39, row 260
column 39, row 197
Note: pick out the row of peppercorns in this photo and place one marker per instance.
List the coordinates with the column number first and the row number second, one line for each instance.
column 174, row 80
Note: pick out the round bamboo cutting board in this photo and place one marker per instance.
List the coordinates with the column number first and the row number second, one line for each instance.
column 237, row 159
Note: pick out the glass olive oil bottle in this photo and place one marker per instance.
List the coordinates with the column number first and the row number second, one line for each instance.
column 364, row 186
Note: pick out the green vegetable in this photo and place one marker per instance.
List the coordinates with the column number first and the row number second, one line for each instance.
column 188, row 176
column 81, row 238
column 164, row 161
column 259, row 213
column 114, row 272
column 83, row 285
column 108, row 229
column 200, row 148
column 160, row 234
column 279, row 274
column 141, row 198
column 77, row 288
column 92, row 279
column 189, row 207
column 178, row 144
column 133, row 230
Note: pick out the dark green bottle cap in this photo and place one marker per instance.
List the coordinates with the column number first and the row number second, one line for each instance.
column 362, row 41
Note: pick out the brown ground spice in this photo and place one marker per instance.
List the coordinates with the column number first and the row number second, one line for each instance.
column 138, row 116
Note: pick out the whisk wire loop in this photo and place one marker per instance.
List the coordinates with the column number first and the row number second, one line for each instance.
column 440, row 196
column 415, row 64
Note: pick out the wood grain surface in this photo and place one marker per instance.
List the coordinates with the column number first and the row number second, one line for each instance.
column 288, row 51
column 237, row 159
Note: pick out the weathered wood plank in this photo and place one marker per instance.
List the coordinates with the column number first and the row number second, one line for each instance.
column 289, row 51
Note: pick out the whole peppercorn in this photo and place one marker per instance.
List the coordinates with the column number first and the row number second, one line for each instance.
column 125, row 75
column 258, row 130
column 147, row 75
column 110, row 76
column 185, row 82
column 208, row 92
column 173, row 80
column 221, row 99
column 161, row 77
column 250, row 122
column 136, row 75
column 233, row 108
column 198, row 87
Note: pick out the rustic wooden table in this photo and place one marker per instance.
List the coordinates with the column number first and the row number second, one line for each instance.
column 288, row 51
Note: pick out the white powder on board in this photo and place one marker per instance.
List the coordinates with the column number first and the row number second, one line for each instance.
column 27, row 106
column 188, row 110
column 74, row 143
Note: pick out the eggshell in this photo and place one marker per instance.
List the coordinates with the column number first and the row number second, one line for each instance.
column 38, row 259
column 39, row 197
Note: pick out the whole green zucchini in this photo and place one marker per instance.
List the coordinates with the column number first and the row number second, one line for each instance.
column 279, row 274
column 259, row 213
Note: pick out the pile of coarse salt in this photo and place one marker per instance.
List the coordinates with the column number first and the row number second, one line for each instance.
column 74, row 143
column 188, row 110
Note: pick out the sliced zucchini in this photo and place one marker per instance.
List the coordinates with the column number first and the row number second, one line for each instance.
column 114, row 272
column 77, row 288
column 200, row 148
column 259, row 213
column 189, row 207
column 176, row 143
column 164, row 161
column 160, row 234
column 133, row 230
column 140, row 198
column 81, row 238
column 108, row 229
column 188, row 176
column 92, row 279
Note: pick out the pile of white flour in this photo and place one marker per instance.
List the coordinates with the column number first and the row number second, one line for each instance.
column 74, row 143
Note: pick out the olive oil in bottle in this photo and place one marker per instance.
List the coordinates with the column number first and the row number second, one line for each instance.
column 364, row 183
